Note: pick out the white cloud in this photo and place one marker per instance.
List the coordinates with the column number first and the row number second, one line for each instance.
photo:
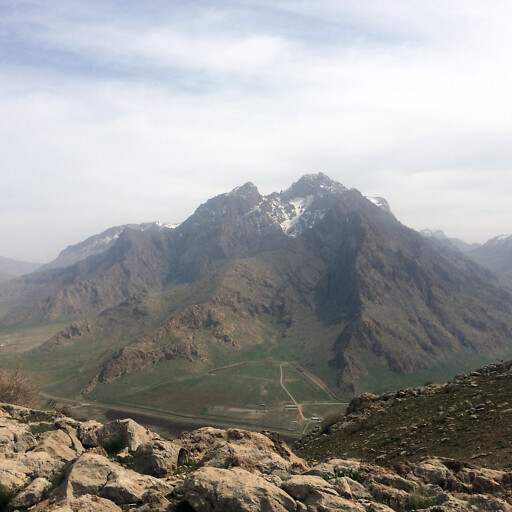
column 118, row 115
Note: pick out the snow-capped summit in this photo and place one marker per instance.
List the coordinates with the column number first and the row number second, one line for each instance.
column 380, row 202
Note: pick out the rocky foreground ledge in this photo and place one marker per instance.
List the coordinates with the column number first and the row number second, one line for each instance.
column 54, row 463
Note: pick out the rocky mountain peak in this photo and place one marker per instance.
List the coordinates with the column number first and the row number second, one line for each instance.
column 313, row 184
column 237, row 202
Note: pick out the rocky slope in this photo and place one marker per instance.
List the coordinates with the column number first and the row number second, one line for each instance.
column 54, row 463
column 468, row 418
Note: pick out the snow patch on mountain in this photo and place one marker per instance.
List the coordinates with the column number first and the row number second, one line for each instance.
column 380, row 202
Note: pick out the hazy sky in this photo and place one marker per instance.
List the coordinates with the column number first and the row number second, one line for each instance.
column 124, row 111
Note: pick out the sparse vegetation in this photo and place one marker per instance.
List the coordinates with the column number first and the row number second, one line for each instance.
column 6, row 496
column 39, row 428
column 329, row 420
column 16, row 387
column 60, row 475
column 113, row 445
column 419, row 498
column 38, row 417
column 188, row 466
column 468, row 419
column 349, row 473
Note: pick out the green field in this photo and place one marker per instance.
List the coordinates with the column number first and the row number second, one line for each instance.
column 248, row 394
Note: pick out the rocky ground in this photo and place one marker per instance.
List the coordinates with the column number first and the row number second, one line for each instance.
column 468, row 418
column 55, row 463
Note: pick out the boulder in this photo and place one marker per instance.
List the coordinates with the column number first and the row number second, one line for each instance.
column 390, row 495
column 124, row 487
column 57, row 444
column 32, row 494
column 71, row 428
column 212, row 489
column 13, row 474
column 95, row 474
column 350, row 489
column 240, row 448
column 159, row 458
column 318, row 495
column 14, row 437
column 130, row 433
column 433, row 471
column 18, row 472
column 86, row 503
column 88, row 433
column 302, row 486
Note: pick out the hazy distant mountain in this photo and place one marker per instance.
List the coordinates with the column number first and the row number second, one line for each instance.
column 17, row 268
column 5, row 277
column 496, row 254
column 459, row 244
column 317, row 274
column 99, row 243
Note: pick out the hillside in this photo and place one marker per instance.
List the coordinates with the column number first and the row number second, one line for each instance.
column 468, row 419
column 317, row 275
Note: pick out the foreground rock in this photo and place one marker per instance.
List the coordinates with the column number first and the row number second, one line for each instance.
column 57, row 464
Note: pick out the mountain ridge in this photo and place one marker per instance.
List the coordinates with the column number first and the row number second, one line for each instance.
column 329, row 280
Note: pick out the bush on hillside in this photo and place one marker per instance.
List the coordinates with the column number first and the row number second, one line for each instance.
column 16, row 387
column 329, row 420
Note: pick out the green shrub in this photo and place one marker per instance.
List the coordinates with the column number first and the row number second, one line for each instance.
column 37, row 417
column 113, row 445
column 349, row 473
column 329, row 420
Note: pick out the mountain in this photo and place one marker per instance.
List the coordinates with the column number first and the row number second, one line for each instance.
column 4, row 276
column 99, row 243
column 316, row 275
column 439, row 235
column 496, row 254
column 17, row 268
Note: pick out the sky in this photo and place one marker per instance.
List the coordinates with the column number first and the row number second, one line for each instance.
column 116, row 112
